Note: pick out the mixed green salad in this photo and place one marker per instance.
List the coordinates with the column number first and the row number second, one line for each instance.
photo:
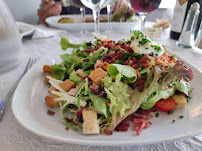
column 103, row 84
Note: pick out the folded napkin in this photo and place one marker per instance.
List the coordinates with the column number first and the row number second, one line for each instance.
column 42, row 31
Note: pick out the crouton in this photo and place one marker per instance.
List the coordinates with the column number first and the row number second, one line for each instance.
column 51, row 102
column 47, row 69
column 90, row 124
column 105, row 66
column 180, row 101
column 67, row 85
column 97, row 75
column 52, row 88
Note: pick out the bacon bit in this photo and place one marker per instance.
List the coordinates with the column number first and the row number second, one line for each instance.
column 137, row 133
column 68, row 120
column 145, row 112
column 123, row 126
column 148, row 117
column 50, row 112
column 67, row 128
column 108, row 132
column 141, row 87
column 98, row 64
column 79, row 113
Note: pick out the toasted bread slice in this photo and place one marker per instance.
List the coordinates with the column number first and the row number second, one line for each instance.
column 67, row 85
column 47, row 69
column 90, row 124
column 51, row 102
column 97, row 75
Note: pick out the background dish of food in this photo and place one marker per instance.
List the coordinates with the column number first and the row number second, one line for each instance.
column 53, row 22
column 29, row 99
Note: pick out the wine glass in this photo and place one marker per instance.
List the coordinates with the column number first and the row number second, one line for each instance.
column 96, row 6
column 143, row 7
column 79, row 4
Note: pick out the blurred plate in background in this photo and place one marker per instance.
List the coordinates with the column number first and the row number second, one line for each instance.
column 89, row 26
column 25, row 29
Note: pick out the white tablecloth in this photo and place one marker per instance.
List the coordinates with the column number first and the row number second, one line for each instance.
column 13, row 137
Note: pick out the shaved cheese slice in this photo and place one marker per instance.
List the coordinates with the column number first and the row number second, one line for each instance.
column 68, row 98
column 57, row 81
column 71, row 101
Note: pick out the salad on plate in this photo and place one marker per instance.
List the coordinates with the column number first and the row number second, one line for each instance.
column 105, row 85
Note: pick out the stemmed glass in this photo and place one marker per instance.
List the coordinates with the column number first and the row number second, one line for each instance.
column 76, row 3
column 143, row 7
column 96, row 6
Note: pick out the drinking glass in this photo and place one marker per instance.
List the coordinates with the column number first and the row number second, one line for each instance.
column 10, row 40
column 96, row 6
column 76, row 3
column 143, row 7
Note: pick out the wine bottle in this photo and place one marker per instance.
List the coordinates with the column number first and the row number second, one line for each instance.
column 179, row 15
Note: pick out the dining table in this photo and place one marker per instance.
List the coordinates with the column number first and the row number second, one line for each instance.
column 44, row 42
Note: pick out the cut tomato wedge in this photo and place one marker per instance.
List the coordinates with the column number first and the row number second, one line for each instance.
column 165, row 105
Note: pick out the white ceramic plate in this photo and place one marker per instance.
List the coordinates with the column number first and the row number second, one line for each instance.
column 53, row 22
column 25, row 29
column 30, row 110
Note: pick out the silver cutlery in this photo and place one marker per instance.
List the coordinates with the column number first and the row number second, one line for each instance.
column 30, row 63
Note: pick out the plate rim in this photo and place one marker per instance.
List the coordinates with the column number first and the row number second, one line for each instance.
column 96, row 142
column 29, row 32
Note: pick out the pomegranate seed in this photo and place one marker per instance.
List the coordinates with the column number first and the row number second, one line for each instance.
column 67, row 128
column 76, row 124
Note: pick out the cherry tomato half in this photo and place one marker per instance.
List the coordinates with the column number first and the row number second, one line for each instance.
column 165, row 105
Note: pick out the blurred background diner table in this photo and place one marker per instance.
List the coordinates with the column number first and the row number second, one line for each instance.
column 43, row 40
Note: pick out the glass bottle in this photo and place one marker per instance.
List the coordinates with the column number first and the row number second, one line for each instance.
column 10, row 40
column 186, row 39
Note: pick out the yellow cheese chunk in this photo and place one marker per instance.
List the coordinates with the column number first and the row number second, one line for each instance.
column 180, row 101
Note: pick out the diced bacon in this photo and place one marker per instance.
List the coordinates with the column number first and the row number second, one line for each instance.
column 98, row 64
column 148, row 117
column 160, row 62
column 93, row 87
column 144, row 117
column 123, row 126
column 145, row 112
column 72, row 91
column 80, row 72
column 139, row 125
column 130, row 62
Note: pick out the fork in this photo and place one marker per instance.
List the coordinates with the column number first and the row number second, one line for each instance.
column 30, row 63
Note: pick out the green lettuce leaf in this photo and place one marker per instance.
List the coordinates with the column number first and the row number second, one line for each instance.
column 183, row 86
column 100, row 104
column 65, row 43
column 107, row 81
column 156, row 96
column 128, row 72
column 58, row 71
column 75, row 78
column 119, row 95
